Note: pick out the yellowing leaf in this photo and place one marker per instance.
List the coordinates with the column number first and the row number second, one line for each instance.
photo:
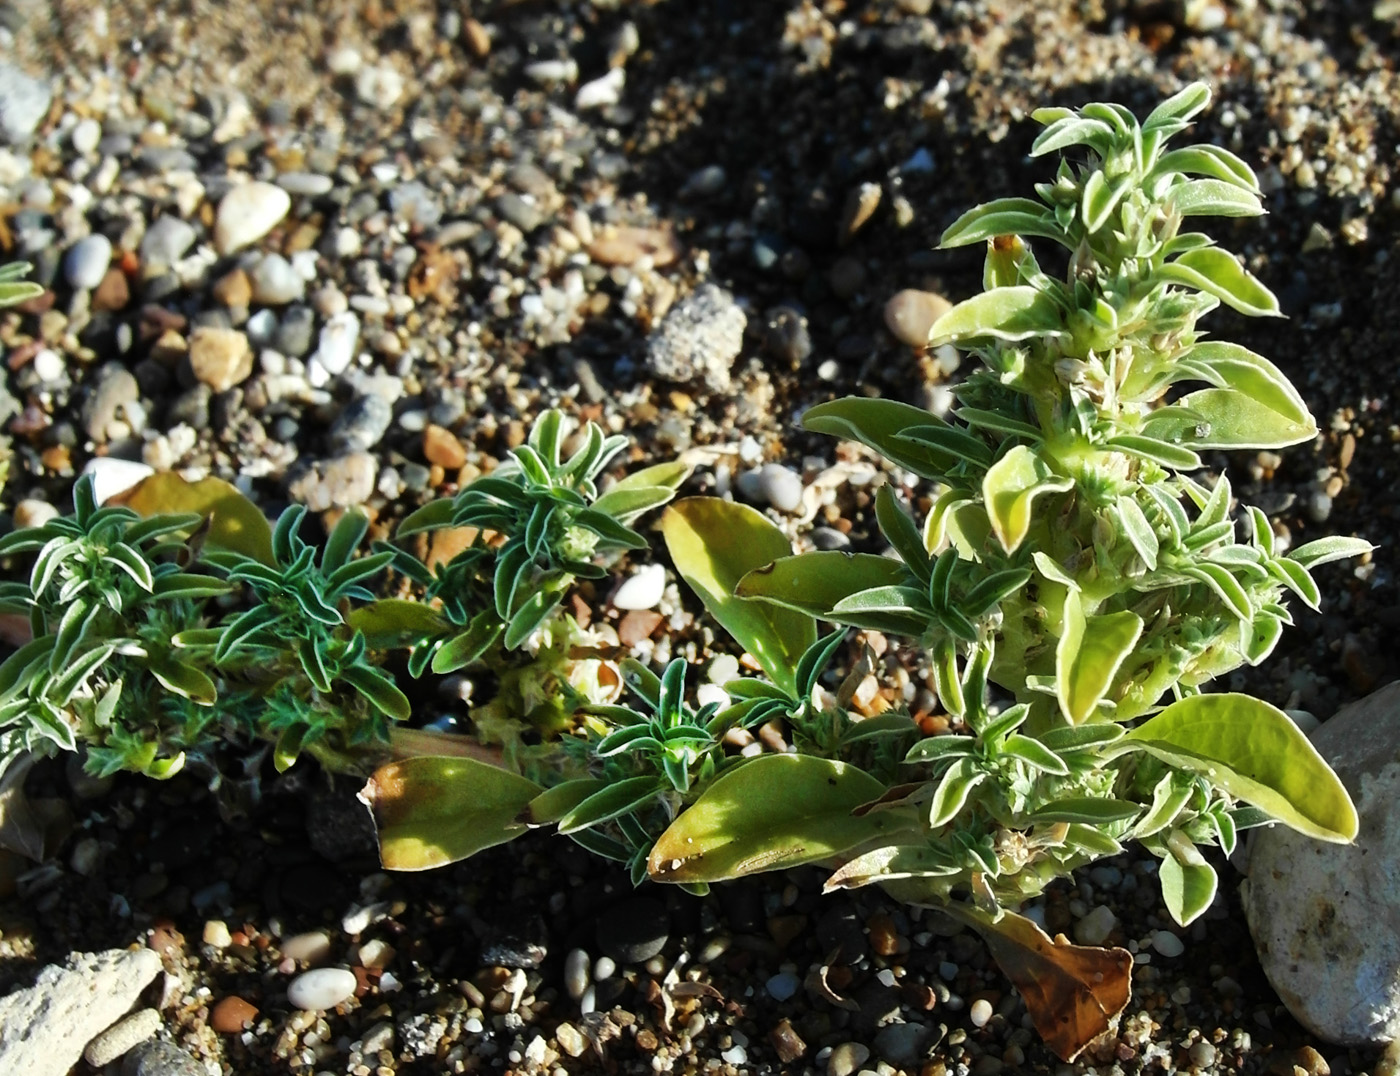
column 433, row 810
column 714, row 544
column 770, row 813
column 1256, row 753
column 1089, row 654
column 1009, row 488
column 237, row 524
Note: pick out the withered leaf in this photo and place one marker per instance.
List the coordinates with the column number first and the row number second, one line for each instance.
column 1074, row 993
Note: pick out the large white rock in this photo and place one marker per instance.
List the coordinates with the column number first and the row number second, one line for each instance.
column 44, row 1029
column 1326, row 917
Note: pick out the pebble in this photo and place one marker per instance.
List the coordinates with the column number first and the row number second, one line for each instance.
column 305, row 184
column 34, row 513
column 601, row 92
column 275, row 282
column 87, row 260
column 782, row 986
column 441, row 446
column 247, row 213
column 220, row 358
column 48, row 365
column 1095, row 927
column 642, row 589
column 106, row 411
column 323, row 988
column 634, row 930
column 571, row 1040
column 911, row 313
column 1168, row 944
column 698, row 339
column 234, row 289
column 380, row 87
column 111, row 476
column 903, row 1044
column 847, row 1058
column 338, row 340
column 126, row 1033
column 343, row 482
column 1202, row 1055
column 980, row 1012
column 780, row 486
column 294, row 331
column 232, row 1014
column 166, row 241
column 576, row 973
column 155, row 1057
column 308, row 948
column 361, row 424
column 787, row 337
column 216, row 933
column 24, row 102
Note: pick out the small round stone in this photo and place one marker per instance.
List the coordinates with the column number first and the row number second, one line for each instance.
column 980, row 1012
column 309, row 948
column 232, row 1014
column 847, row 1058
column 166, row 241
column 112, row 1043
column 87, row 261
column 911, row 313
column 247, row 213
column 1202, row 1055
column 642, row 589
column 1168, row 944
column 339, row 337
column 782, row 986
column 1095, row 927
column 324, row 988
column 576, row 966
column 780, row 486
column 275, row 282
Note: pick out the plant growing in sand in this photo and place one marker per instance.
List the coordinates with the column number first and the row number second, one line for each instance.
column 1069, row 591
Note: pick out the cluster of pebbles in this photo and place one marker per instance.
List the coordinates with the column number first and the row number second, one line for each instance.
column 342, row 254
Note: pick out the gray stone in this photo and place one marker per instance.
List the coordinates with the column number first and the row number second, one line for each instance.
column 156, row 1058
column 86, row 262
column 294, row 331
column 275, row 282
column 698, row 339
column 167, row 240
column 24, row 102
column 902, row 1045
column 115, row 390
column 1324, row 916
column 44, row 1029
column 847, row 1058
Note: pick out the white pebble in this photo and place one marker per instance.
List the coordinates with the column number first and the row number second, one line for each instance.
column 643, row 589
column 275, row 282
column 780, row 486
column 980, row 1012
column 49, row 365
column 87, row 261
column 247, row 213
column 604, row 968
column 601, row 92
column 339, row 337
column 311, row 184
column 1168, row 944
column 309, row 948
column 344, row 61
column 111, row 476
column 380, row 87
column 86, row 134
column 324, row 988
column 735, row 1055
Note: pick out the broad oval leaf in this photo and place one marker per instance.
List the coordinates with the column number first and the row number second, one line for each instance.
column 770, row 813
column 1214, row 198
column 236, row 523
column 391, row 622
column 815, row 583
column 887, row 864
column 1256, row 753
column 1233, row 419
column 550, row 806
column 1009, row 314
column 1187, row 887
column 715, row 544
column 431, row 811
column 1010, row 488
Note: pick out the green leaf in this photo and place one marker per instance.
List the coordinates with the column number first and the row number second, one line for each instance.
column 1068, row 739
column 1099, row 200
column 1168, row 798
column 1326, row 550
column 432, row 516
column 1254, row 752
column 343, row 540
column 394, row 622
column 1088, row 810
column 1294, row 576
column 1214, row 198
column 901, row 532
column 668, row 475
column 431, row 811
column 1187, row 887
column 236, row 523
column 617, row 798
column 953, row 790
column 993, row 590
column 1179, row 107
column 381, row 691
column 1005, row 216
column 550, row 806
column 962, row 446
column 1161, row 452
column 1207, row 160
column 1070, row 130
column 1138, row 530
column 1010, row 488
column 938, row 749
column 877, row 424
column 1090, row 652
column 715, row 544
column 1217, row 272
column 887, row 864
column 814, row 661
column 1006, row 314
column 769, row 813
column 1226, row 587
column 1230, row 418
column 1034, row 753
column 183, row 679
column 532, row 613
